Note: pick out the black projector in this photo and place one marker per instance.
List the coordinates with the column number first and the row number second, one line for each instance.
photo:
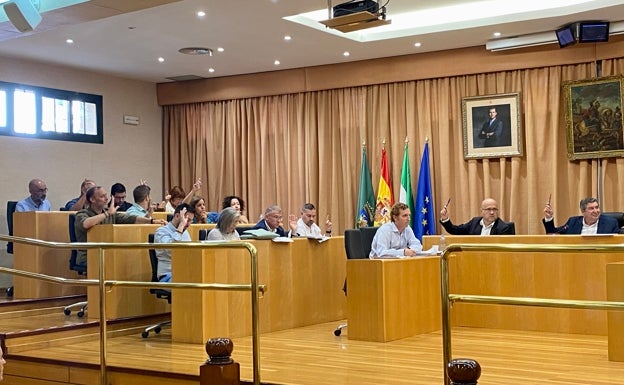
column 355, row 7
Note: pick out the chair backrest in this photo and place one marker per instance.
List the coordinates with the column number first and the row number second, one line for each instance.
column 353, row 244
column 203, row 234
column 10, row 210
column 512, row 225
column 368, row 233
column 160, row 293
column 619, row 216
column 80, row 269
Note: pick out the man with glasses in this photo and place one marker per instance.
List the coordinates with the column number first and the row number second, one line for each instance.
column 37, row 200
column 118, row 194
column 487, row 224
column 272, row 221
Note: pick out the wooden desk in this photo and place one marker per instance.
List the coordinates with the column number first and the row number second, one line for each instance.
column 46, row 226
column 390, row 299
column 304, row 282
column 122, row 264
column 615, row 319
column 126, row 264
column 580, row 276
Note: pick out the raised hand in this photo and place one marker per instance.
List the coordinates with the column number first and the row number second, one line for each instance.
column 328, row 224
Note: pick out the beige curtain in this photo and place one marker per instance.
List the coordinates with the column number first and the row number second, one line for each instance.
column 306, row 147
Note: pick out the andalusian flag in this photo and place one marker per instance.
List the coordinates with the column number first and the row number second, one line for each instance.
column 424, row 220
column 405, row 196
column 366, row 197
column 385, row 198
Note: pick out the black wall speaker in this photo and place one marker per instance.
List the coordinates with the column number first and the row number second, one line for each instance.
column 22, row 14
column 566, row 35
column 593, row 31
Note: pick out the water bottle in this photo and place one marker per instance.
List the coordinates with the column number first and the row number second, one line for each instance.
column 441, row 243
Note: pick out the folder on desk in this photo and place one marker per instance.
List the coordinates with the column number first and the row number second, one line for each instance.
column 258, row 234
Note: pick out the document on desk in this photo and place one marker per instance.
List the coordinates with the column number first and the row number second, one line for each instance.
column 432, row 251
column 282, row 240
column 319, row 238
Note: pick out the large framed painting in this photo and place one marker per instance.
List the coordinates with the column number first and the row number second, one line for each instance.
column 492, row 126
column 593, row 114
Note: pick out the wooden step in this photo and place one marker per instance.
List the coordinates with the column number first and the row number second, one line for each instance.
column 9, row 305
column 70, row 330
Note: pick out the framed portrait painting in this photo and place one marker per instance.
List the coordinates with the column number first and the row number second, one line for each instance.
column 593, row 114
column 492, row 126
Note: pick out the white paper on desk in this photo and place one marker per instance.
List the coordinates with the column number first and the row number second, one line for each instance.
column 282, row 240
column 432, row 251
column 322, row 239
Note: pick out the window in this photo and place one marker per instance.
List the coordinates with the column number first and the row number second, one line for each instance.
column 46, row 113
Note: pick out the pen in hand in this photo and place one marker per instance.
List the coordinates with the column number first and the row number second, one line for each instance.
column 447, row 203
column 549, row 196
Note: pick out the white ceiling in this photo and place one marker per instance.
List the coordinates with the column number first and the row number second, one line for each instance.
column 110, row 37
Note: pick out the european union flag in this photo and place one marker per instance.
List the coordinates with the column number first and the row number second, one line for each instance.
column 424, row 219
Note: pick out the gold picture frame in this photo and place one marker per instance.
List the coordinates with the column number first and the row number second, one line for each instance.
column 492, row 138
column 593, row 114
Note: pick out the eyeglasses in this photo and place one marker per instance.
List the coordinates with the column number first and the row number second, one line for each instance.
column 42, row 190
column 493, row 209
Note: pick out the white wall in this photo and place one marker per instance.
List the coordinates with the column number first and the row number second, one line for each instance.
column 129, row 153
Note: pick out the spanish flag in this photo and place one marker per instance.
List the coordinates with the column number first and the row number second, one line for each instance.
column 385, row 198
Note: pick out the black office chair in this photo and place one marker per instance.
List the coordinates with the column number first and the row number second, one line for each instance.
column 80, row 269
column 512, row 225
column 203, row 234
column 159, row 293
column 354, row 248
column 368, row 233
column 619, row 216
column 10, row 210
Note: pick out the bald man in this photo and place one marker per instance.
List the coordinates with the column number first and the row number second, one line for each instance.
column 37, row 200
column 487, row 224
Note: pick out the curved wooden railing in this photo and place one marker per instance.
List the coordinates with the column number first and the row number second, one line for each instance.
column 105, row 284
column 449, row 298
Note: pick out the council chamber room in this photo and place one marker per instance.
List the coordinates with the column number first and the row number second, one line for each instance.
column 496, row 134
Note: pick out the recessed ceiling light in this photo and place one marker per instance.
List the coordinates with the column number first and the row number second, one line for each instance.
column 69, row 41
column 220, row 49
column 346, row 53
column 287, row 37
column 161, row 59
column 211, row 70
column 497, row 34
column 417, row 45
column 276, row 62
column 201, row 14
column 196, row 51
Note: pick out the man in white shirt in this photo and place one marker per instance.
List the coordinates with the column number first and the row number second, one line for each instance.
column 306, row 225
column 396, row 239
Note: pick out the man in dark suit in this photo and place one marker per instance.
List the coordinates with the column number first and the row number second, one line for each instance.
column 492, row 130
column 272, row 219
column 487, row 224
column 590, row 222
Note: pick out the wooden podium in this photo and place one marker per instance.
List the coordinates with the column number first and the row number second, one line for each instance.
column 46, row 226
column 303, row 280
column 390, row 299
